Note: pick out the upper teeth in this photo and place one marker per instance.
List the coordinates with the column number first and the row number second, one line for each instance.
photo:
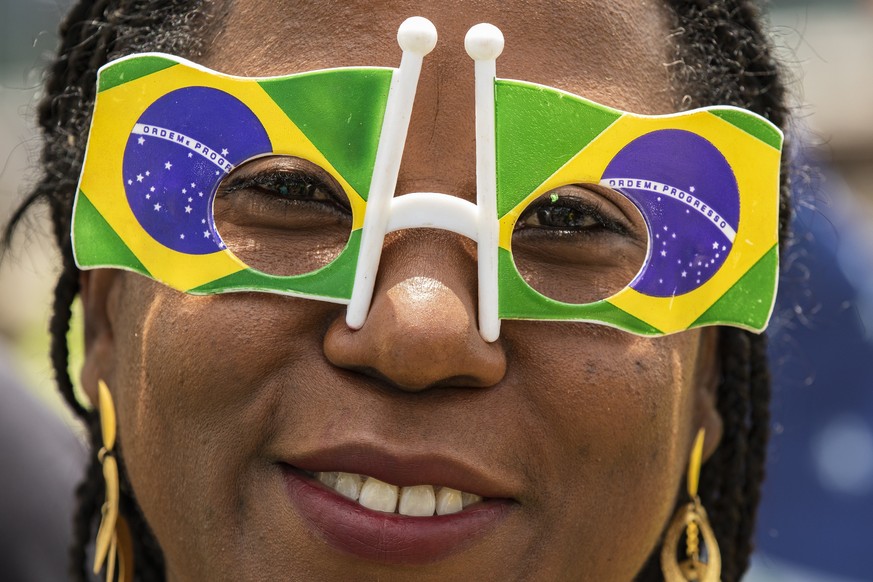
column 418, row 500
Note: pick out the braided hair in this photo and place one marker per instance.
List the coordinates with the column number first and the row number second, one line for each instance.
column 723, row 41
column 93, row 33
column 713, row 40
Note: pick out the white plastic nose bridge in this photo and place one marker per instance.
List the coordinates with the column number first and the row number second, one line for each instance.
column 434, row 210
column 417, row 36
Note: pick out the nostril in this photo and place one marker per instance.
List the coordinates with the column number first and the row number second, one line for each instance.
column 419, row 334
column 390, row 383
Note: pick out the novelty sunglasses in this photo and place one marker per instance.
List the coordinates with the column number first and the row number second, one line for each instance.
column 211, row 183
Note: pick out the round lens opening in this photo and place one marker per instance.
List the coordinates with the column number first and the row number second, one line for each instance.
column 579, row 243
column 282, row 215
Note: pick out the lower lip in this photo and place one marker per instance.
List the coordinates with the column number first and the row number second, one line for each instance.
column 388, row 537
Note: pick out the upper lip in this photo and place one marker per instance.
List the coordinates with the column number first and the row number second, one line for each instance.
column 403, row 468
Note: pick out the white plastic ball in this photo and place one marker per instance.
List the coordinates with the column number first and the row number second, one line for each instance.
column 417, row 35
column 484, row 42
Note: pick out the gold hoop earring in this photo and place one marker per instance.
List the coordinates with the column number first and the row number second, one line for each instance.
column 692, row 519
column 114, row 542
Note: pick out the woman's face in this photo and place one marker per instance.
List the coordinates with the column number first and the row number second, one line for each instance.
column 577, row 435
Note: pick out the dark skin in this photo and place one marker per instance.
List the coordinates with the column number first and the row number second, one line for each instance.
column 590, row 428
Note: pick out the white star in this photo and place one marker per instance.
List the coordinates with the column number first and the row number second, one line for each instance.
column 684, row 273
column 158, row 206
column 665, row 227
column 190, row 199
column 698, row 281
column 661, row 281
column 659, row 198
column 663, row 253
column 139, row 177
column 715, row 246
column 148, row 173
column 187, row 210
column 193, row 185
column 663, row 243
column 148, row 196
column 141, row 140
column 691, row 189
column 674, row 235
column 657, row 235
column 687, row 211
column 205, row 234
column 190, row 155
column 216, row 172
column 168, row 165
column 723, row 248
column 184, row 191
column 200, row 194
column 152, row 189
column 717, row 255
column 182, row 236
column 224, row 151
column 129, row 182
column 202, row 221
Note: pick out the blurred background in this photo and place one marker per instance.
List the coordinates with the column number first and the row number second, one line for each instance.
column 816, row 521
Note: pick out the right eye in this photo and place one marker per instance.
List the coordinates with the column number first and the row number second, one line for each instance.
column 287, row 186
column 281, row 189
column 283, row 215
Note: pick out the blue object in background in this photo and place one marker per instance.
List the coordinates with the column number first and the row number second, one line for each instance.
column 816, row 517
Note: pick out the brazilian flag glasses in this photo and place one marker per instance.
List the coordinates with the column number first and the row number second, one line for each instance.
column 211, row 183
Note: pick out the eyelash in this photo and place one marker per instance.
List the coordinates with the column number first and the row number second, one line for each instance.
column 286, row 187
column 279, row 185
column 584, row 208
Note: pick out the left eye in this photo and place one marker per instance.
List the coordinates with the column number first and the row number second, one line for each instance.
column 570, row 212
column 579, row 243
column 560, row 214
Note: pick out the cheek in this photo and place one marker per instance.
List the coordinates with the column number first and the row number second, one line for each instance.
column 613, row 411
column 194, row 406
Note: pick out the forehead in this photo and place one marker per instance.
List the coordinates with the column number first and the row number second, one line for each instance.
column 612, row 52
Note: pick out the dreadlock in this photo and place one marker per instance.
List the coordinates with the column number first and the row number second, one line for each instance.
column 93, row 33
column 721, row 57
column 725, row 58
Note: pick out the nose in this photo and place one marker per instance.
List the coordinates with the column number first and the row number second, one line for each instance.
column 421, row 331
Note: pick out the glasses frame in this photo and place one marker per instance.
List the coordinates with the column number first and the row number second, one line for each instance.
column 350, row 278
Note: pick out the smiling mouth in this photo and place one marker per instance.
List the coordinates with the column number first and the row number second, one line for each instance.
column 391, row 507
column 412, row 501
